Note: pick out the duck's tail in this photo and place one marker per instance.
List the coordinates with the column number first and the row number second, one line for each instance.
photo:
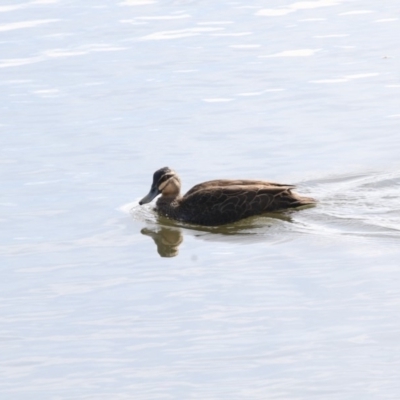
column 302, row 200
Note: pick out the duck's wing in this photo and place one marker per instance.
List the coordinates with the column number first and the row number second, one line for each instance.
column 223, row 183
column 222, row 205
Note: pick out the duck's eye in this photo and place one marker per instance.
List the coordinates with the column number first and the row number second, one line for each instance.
column 164, row 178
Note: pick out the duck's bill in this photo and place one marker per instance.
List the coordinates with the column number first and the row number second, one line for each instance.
column 152, row 194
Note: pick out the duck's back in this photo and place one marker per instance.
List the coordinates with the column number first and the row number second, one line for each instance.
column 220, row 202
column 225, row 183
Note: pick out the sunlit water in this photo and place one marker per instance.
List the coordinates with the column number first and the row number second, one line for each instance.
column 103, row 299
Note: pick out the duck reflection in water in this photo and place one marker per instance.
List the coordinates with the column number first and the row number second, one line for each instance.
column 166, row 239
column 168, row 234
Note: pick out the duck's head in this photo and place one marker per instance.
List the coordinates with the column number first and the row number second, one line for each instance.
column 165, row 182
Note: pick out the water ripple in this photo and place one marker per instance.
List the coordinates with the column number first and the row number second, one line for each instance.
column 25, row 24
column 303, row 5
column 177, row 34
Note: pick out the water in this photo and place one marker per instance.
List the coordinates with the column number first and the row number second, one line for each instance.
column 101, row 298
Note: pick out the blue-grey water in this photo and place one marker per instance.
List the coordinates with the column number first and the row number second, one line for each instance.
column 102, row 299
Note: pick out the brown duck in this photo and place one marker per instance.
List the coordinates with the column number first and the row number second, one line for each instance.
column 220, row 201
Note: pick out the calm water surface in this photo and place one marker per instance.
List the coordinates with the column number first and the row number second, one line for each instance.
column 102, row 299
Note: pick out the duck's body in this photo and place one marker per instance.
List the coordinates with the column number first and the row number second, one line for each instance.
column 221, row 201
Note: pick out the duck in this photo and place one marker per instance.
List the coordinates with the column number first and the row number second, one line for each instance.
column 220, row 201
